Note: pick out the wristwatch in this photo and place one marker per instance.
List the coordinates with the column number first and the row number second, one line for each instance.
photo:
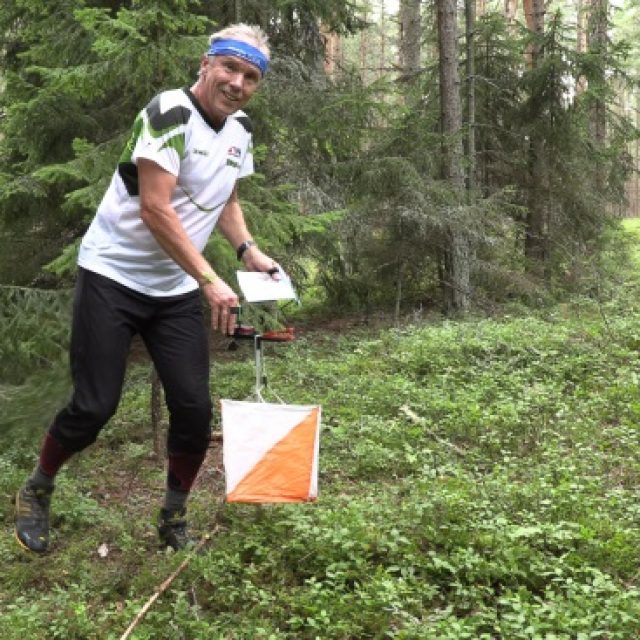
column 243, row 247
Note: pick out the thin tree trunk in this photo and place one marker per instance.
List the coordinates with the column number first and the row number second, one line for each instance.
column 537, row 226
column 364, row 47
column 399, row 279
column 636, row 200
column 156, row 413
column 534, row 16
column 332, row 50
column 510, row 13
column 409, row 20
column 581, row 42
column 450, row 104
column 597, row 45
column 383, row 40
column 456, row 256
column 537, row 223
column 470, row 23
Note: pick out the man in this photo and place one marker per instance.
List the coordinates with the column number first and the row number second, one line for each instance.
column 141, row 271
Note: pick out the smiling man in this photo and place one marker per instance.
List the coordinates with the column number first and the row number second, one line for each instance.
column 142, row 271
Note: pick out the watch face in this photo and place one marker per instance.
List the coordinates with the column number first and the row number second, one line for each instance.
column 244, row 246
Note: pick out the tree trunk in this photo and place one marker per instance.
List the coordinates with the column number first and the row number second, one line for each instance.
column 537, row 223
column 470, row 23
column 456, row 254
column 156, row 413
column 597, row 46
column 383, row 40
column 400, row 269
column 635, row 208
column 510, row 13
column 450, row 104
column 581, row 42
column 410, row 32
column 364, row 46
column 332, row 50
column 534, row 16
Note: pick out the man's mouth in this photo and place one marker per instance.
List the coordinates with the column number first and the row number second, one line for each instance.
column 230, row 97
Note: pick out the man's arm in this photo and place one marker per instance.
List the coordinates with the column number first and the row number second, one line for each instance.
column 156, row 187
column 233, row 227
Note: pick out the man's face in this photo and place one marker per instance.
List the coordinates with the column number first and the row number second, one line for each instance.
column 227, row 84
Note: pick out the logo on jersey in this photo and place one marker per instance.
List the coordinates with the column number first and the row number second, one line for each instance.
column 233, row 157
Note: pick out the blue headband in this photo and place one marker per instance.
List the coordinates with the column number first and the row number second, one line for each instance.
column 242, row 50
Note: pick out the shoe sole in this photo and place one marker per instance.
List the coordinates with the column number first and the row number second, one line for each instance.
column 24, row 547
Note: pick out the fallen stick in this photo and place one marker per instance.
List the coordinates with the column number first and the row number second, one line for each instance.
column 416, row 419
column 165, row 585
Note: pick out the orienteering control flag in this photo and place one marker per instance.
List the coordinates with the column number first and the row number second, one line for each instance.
column 270, row 451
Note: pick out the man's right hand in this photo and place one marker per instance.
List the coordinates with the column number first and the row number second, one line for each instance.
column 222, row 300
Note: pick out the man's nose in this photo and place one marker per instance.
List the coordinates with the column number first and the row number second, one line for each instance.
column 237, row 80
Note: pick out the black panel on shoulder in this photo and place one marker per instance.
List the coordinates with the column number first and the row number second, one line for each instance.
column 129, row 174
column 205, row 117
column 246, row 123
column 174, row 117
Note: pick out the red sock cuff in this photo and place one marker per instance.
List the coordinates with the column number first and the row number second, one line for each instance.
column 52, row 456
column 183, row 469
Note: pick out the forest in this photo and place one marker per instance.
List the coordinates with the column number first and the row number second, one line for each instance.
column 454, row 188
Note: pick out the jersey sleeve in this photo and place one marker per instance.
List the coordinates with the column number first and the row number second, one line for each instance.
column 246, row 168
column 161, row 134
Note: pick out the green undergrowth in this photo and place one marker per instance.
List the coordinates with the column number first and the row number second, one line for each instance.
column 478, row 480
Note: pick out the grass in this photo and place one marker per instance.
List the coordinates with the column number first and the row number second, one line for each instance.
column 478, row 479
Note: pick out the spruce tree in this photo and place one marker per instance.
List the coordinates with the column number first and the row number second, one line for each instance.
column 75, row 75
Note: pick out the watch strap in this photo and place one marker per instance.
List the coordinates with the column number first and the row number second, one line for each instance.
column 243, row 247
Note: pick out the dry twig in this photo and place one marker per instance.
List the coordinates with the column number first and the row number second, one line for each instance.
column 165, row 585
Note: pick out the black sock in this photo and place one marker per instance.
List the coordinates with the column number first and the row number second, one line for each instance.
column 175, row 500
column 40, row 479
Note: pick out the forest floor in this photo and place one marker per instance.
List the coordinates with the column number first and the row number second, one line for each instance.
column 479, row 479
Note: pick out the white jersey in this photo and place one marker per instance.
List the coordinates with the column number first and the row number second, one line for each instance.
column 174, row 132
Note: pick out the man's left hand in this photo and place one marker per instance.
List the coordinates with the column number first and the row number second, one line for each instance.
column 255, row 260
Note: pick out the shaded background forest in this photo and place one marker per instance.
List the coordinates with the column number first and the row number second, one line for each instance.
column 411, row 155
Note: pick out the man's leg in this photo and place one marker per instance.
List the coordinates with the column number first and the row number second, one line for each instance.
column 104, row 319
column 177, row 342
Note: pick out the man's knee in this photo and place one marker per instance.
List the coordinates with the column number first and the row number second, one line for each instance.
column 196, row 409
column 190, row 428
column 96, row 413
column 77, row 426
